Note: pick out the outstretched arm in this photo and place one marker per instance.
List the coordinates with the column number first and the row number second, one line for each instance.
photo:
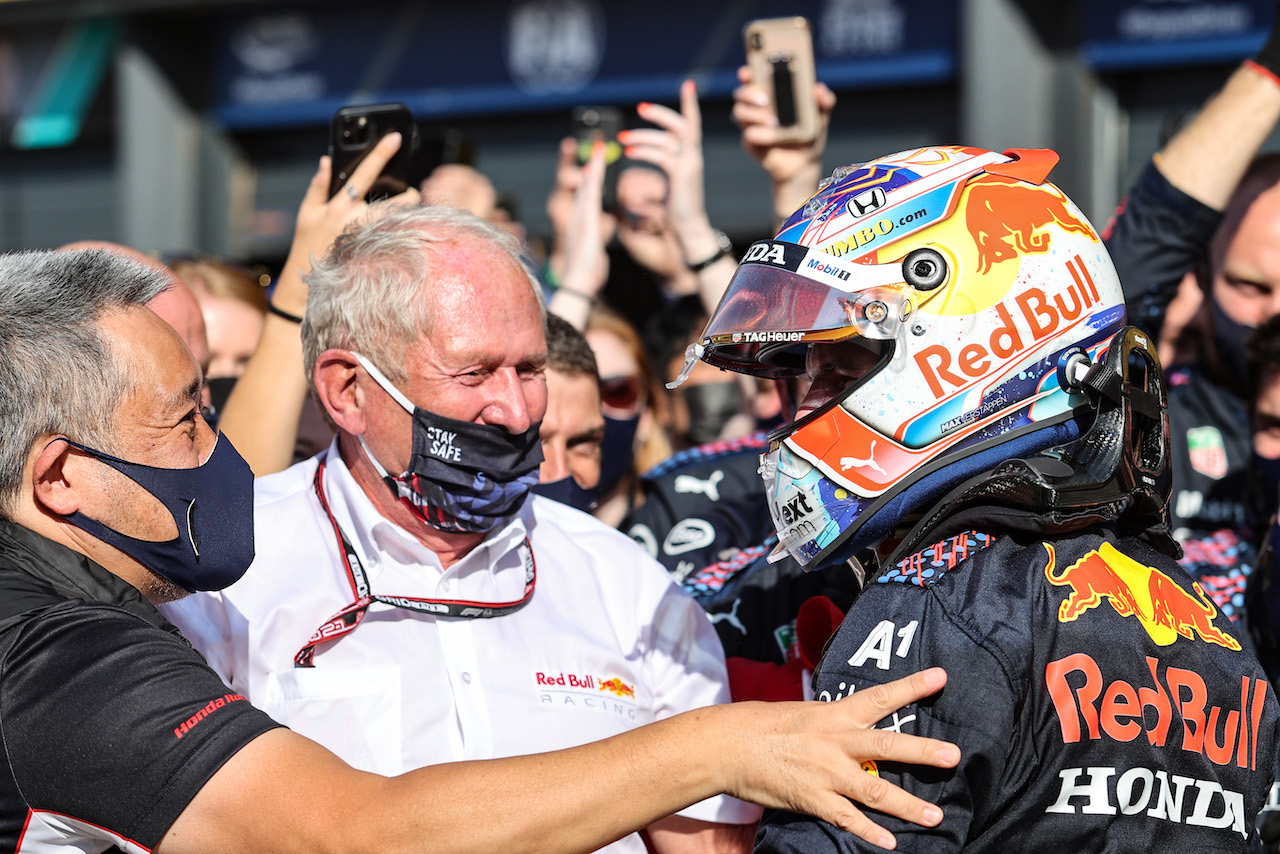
column 285, row 793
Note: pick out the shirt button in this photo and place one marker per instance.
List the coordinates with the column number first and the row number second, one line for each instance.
column 466, row 677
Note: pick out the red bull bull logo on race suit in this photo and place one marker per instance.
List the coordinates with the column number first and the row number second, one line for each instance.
column 1160, row 604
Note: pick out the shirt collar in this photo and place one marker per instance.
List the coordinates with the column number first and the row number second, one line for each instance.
column 72, row 574
column 373, row 534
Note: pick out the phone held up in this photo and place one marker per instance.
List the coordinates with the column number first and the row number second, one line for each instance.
column 353, row 133
column 600, row 124
column 780, row 56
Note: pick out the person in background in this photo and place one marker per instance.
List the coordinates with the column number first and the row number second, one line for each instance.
column 233, row 302
column 573, row 429
column 661, row 221
column 634, row 405
column 1193, row 243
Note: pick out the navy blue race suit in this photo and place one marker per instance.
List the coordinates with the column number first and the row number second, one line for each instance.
column 1099, row 699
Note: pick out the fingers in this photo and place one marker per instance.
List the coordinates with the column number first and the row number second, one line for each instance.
column 825, row 97
column 752, row 113
column 372, row 165
column 691, row 111
column 568, row 170
column 658, row 147
column 878, row 794
column 843, row 814
column 879, row 700
column 592, row 190
column 318, row 190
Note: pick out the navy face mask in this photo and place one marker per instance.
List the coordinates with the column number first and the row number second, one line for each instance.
column 212, row 506
column 617, row 451
column 567, row 491
column 1268, row 474
column 462, row 477
column 1231, row 338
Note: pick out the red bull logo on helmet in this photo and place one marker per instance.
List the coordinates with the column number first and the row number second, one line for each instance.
column 1007, row 218
column 1020, row 325
column 1166, row 611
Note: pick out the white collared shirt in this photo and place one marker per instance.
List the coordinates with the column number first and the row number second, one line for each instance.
column 607, row 642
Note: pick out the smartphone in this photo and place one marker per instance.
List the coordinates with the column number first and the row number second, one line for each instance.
column 592, row 124
column 355, row 130
column 780, row 56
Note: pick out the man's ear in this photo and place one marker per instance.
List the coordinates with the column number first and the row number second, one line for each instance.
column 55, row 480
column 336, row 388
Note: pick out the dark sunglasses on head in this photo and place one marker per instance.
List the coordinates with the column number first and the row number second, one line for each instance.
column 620, row 392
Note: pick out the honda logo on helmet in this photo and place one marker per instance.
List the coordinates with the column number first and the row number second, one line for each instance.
column 864, row 203
column 765, row 252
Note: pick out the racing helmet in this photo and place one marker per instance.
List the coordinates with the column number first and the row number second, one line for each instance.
column 981, row 296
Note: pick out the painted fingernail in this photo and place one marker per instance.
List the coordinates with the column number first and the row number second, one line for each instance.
column 643, row 105
column 624, row 135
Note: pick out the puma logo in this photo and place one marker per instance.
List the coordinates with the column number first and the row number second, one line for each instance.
column 710, row 487
column 847, row 463
column 732, row 616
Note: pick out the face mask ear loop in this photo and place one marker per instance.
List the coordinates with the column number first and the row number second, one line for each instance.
column 377, row 466
column 385, row 383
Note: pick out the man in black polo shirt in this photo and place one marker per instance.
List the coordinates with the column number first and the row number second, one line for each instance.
column 115, row 495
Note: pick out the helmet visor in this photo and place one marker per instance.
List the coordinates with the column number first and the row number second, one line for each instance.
column 785, row 296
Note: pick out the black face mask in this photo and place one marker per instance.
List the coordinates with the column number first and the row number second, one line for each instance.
column 462, row 477
column 710, row 406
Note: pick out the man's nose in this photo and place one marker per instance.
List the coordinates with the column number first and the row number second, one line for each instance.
column 509, row 406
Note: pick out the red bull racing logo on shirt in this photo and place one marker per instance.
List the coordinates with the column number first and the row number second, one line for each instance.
column 1160, row 604
column 587, row 691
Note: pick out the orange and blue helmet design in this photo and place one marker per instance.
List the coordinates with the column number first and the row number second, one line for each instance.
column 971, row 279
